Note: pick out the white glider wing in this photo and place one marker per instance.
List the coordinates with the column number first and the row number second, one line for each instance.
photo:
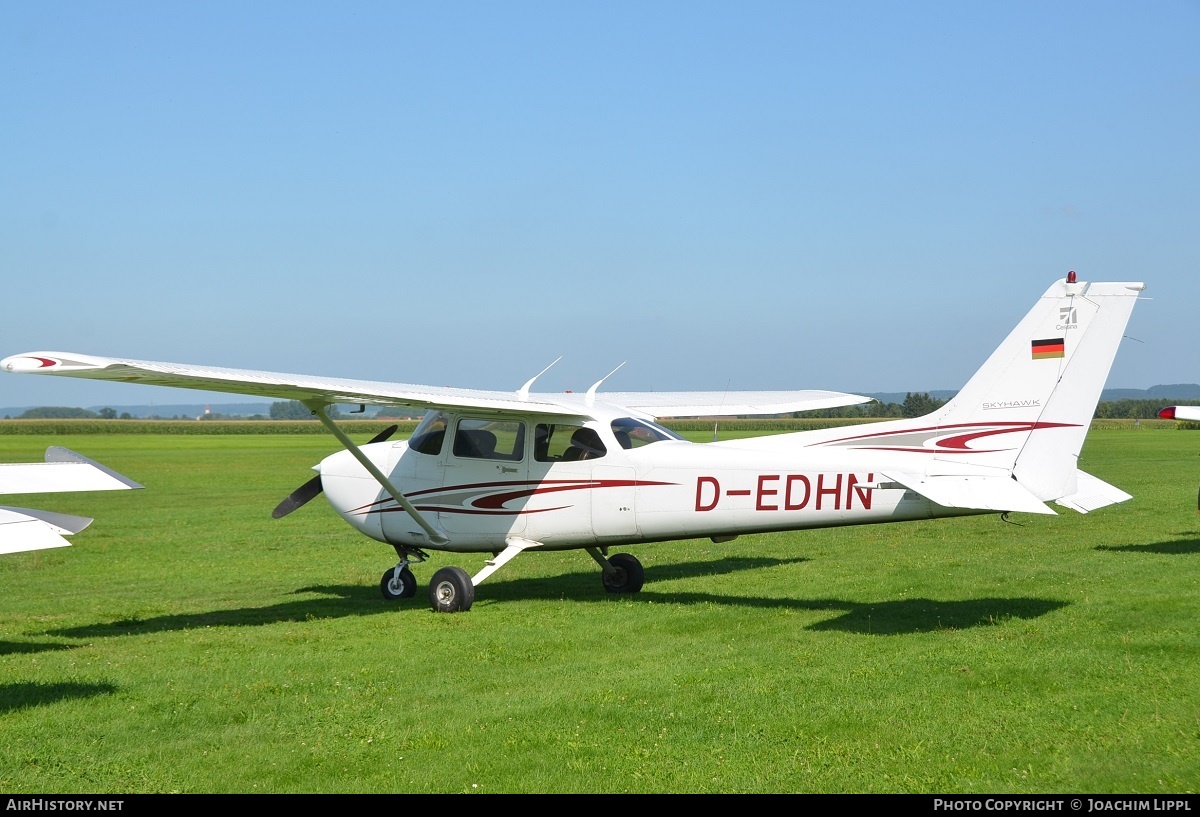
column 327, row 390
column 1191, row 413
column 64, row 470
column 27, row 529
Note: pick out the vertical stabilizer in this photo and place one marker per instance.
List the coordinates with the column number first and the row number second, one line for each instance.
column 1023, row 416
column 1028, row 408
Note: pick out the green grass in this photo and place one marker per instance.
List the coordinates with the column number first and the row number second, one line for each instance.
column 187, row 642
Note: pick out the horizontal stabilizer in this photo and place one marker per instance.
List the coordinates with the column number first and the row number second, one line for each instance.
column 1092, row 493
column 977, row 492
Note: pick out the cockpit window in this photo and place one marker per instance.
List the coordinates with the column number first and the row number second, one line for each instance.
column 429, row 434
column 631, row 433
column 560, row 442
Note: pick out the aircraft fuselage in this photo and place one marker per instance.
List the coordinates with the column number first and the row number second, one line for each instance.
column 672, row 489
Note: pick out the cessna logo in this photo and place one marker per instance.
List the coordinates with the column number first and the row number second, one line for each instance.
column 1068, row 317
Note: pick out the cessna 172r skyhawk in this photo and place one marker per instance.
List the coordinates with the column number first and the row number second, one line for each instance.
column 508, row 472
column 64, row 470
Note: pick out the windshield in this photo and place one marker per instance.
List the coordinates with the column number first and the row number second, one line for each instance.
column 631, row 433
column 429, row 434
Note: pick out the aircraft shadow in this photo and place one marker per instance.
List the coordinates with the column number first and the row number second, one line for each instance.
column 902, row 617
column 14, row 696
column 1179, row 547
column 19, row 647
column 340, row 601
column 927, row 615
column 870, row 618
column 874, row 618
column 348, row 600
column 690, row 570
column 584, row 585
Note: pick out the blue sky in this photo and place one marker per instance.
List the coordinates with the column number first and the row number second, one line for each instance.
column 863, row 196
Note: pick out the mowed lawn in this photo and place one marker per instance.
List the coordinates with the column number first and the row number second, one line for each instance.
column 188, row 642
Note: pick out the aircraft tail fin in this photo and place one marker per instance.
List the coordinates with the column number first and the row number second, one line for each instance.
column 1032, row 402
column 1024, row 414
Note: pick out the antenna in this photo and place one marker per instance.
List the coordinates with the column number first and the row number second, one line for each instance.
column 591, row 393
column 523, row 392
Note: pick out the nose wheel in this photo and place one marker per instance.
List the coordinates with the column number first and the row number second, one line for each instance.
column 398, row 583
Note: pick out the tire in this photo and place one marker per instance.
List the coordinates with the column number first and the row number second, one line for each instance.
column 403, row 587
column 628, row 577
column 451, row 591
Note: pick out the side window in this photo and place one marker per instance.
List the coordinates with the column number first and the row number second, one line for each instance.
column 490, row 440
column 566, row 443
column 429, row 434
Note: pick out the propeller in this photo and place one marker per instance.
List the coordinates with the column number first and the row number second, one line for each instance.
column 313, row 487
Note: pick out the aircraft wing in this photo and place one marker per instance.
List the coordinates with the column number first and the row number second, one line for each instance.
column 730, row 404
column 976, row 491
column 26, row 529
column 370, row 392
column 267, row 384
column 1181, row 413
column 63, row 470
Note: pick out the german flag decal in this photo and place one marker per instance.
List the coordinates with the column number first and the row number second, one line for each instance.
column 1048, row 348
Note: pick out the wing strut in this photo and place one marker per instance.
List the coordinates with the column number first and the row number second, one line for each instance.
column 318, row 409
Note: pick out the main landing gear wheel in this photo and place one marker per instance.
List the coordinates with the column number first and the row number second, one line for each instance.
column 451, row 591
column 395, row 587
column 627, row 575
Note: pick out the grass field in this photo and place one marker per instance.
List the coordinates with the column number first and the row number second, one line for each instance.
column 187, row 642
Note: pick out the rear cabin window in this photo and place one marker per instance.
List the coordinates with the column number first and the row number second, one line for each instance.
column 561, row 442
column 490, row 440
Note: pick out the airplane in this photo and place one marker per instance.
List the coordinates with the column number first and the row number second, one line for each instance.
column 1190, row 413
column 24, row 529
column 503, row 473
column 1180, row 413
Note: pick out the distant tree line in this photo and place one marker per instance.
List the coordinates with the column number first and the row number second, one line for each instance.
column 282, row 410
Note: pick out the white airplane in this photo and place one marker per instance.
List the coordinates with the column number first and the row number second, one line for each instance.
column 1191, row 413
column 507, row 472
column 64, row 470
column 1181, row 413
